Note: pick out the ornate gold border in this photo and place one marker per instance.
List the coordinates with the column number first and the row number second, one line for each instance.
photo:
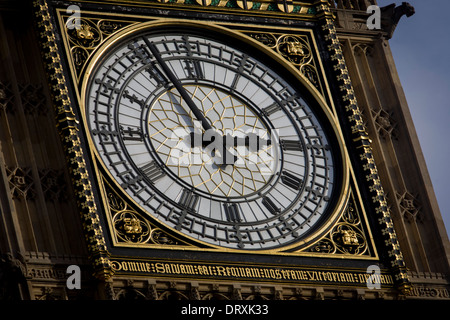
column 362, row 143
column 135, row 28
column 69, row 130
column 260, row 30
column 147, row 235
column 350, row 235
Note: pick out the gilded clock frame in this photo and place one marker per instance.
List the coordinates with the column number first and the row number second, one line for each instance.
column 344, row 196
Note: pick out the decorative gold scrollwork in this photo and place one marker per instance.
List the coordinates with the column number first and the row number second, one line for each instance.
column 323, row 246
column 294, row 48
column 158, row 236
column 116, row 204
column 129, row 226
column 349, row 239
column 87, row 34
column 267, row 39
column 108, row 27
column 346, row 237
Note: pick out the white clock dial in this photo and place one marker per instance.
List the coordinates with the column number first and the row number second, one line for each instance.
column 170, row 124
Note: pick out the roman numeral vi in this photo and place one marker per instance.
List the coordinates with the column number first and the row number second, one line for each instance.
column 270, row 205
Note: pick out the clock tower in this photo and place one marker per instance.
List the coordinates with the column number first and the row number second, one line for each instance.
column 210, row 150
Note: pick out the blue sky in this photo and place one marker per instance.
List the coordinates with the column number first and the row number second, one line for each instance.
column 421, row 49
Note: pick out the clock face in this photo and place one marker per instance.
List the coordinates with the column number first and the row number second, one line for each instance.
column 211, row 140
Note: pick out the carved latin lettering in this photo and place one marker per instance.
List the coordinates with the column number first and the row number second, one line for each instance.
column 269, row 273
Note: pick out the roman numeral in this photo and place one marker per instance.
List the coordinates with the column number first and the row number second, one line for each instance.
column 232, row 212
column 107, row 85
column 276, row 106
column 152, row 171
column 291, row 145
column 193, row 66
column 133, row 98
column 104, row 132
column 130, row 182
column 188, row 200
column 194, row 69
column 131, row 134
column 291, row 180
column 267, row 111
column 318, row 147
column 240, row 70
column 272, row 207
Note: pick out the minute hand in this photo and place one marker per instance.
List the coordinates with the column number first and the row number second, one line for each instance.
column 177, row 84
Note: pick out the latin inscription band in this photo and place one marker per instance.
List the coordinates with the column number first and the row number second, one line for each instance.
column 303, row 275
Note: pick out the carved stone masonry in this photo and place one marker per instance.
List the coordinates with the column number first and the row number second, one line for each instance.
column 21, row 183
column 53, row 184
column 409, row 206
column 33, row 99
column 6, row 97
column 385, row 124
column 31, row 96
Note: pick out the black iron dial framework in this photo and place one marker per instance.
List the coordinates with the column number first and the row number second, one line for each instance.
column 152, row 92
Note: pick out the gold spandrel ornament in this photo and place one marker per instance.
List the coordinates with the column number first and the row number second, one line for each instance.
column 131, row 227
column 348, row 236
column 86, row 34
column 296, row 49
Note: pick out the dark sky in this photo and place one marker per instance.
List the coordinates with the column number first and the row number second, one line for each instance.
column 421, row 49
